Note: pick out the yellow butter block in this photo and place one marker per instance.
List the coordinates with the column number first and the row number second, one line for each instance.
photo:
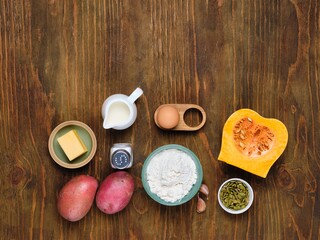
column 72, row 145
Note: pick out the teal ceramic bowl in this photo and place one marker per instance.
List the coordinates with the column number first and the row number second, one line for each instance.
column 87, row 136
column 195, row 188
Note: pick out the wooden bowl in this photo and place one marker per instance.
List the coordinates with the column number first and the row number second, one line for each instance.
column 87, row 136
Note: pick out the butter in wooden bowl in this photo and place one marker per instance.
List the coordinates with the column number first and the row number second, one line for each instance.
column 72, row 144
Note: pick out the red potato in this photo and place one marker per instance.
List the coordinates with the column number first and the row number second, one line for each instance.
column 76, row 197
column 115, row 192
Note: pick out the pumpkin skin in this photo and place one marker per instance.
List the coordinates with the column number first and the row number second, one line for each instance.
column 252, row 142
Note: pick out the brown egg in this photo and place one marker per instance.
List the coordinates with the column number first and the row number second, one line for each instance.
column 168, row 117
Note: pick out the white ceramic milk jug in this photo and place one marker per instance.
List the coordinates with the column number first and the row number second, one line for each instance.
column 119, row 111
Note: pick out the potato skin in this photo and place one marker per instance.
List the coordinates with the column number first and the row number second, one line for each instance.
column 76, row 197
column 115, row 192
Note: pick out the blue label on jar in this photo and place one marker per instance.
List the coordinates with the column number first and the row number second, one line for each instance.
column 120, row 159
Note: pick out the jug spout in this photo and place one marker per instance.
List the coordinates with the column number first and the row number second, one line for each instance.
column 104, row 112
column 105, row 124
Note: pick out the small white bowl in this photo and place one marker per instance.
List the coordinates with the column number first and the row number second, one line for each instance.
column 251, row 195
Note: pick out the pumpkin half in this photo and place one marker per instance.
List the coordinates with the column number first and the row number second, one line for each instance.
column 252, row 142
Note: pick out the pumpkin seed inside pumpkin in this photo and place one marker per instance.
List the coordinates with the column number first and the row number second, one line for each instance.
column 251, row 138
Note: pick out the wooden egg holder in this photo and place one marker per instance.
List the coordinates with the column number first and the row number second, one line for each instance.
column 182, row 108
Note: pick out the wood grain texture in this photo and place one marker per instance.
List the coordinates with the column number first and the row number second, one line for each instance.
column 59, row 60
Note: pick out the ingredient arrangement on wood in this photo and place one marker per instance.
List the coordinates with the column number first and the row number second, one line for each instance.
column 172, row 174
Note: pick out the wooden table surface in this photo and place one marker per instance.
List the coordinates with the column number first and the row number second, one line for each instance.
column 59, row 60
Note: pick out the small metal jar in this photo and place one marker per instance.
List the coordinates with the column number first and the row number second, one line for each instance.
column 121, row 156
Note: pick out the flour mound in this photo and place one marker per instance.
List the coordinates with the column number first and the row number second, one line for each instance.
column 171, row 174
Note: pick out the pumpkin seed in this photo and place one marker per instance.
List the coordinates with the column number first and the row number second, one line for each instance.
column 234, row 195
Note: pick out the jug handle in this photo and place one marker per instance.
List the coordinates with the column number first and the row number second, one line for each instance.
column 135, row 95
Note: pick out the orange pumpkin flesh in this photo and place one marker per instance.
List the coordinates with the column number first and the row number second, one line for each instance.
column 252, row 142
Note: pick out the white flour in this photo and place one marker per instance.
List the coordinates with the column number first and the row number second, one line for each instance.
column 171, row 174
